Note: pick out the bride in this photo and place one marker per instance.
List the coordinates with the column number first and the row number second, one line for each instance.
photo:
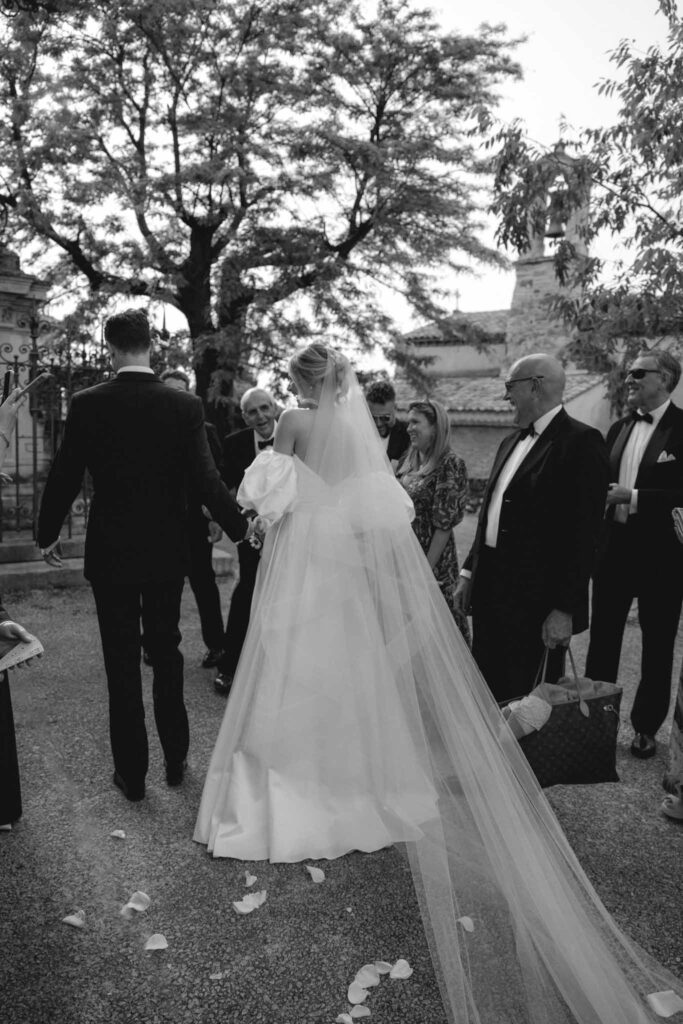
column 358, row 719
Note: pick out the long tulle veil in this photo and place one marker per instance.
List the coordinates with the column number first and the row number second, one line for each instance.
column 516, row 931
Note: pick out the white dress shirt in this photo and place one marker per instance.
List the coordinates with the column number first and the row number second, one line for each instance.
column 512, row 464
column 631, row 457
column 135, row 369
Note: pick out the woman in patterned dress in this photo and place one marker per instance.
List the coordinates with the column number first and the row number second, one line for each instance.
column 436, row 480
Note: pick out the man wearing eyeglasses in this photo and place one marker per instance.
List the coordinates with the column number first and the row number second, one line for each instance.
column 641, row 556
column 526, row 578
column 381, row 399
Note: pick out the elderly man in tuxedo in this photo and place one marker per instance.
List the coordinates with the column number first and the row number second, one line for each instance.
column 640, row 556
column 145, row 447
column 240, row 448
column 381, row 399
column 526, row 577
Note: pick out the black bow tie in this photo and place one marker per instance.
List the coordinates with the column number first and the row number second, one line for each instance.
column 529, row 431
column 265, row 444
column 641, row 417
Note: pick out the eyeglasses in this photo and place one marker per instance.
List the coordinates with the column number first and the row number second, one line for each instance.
column 638, row 373
column 383, row 419
column 508, row 384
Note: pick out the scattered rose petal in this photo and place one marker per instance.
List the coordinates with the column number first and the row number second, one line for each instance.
column 467, row 923
column 118, row 833
column 344, row 1018
column 356, row 993
column 216, row 977
column 249, row 879
column 138, row 903
column 250, row 902
column 359, row 1011
column 382, row 966
column 349, row 910
column 156, row 941
column 317, row 874
column 367, row 976
column 5, row 828
column 401, row 970
column 76, row 920
column 665, row 1003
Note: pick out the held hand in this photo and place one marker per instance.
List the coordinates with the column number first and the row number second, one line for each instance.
column 52, row 555
column 9, row 411
column 462, row 596
column 215, row 532
column 618, row 495
column 557, row 629
column 13, row 631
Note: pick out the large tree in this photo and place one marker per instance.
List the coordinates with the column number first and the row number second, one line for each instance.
column 264, row 167
column 632, row 171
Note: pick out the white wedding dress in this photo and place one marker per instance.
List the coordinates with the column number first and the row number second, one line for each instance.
column 358, row 719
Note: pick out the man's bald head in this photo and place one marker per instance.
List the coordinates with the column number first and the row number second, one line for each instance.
column 534, row 386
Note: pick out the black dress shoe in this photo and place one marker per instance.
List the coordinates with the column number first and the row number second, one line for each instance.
column 222, row 683
column 643, row 745
column 212, row 657
column 175, row 772
column 131, row 792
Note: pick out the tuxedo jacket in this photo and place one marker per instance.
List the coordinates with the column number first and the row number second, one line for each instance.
column 550, row 521
column 399, row 441
column 659, row 481
column 239, row 452
column 146, row 449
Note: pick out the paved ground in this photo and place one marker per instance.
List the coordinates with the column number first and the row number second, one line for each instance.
column 291, row 960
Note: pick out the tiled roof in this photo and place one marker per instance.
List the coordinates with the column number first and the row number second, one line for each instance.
column 483, row 398
column 461, row 327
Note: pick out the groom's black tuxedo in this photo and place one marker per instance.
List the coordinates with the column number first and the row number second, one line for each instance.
column 642, row 558
column 547, row 538
column 145, row 447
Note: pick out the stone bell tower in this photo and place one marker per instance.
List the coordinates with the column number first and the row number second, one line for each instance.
column 531, row 328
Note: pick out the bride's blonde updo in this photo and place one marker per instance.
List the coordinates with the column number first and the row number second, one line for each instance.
column 311, row 365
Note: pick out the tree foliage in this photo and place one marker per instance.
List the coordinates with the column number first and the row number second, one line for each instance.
column 263, row 167
column 633, row 172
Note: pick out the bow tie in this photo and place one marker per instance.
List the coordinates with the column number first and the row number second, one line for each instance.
column 641, row 417
column 265, row 444
column 529, row 431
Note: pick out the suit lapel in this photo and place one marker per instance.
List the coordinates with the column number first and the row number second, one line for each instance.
column 657, row 444
column 537, row 451
column 617, row 449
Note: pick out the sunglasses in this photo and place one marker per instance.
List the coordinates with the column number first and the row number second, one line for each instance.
column 509, row 384
column 638, row 373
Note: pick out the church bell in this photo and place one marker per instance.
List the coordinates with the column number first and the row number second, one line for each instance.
column 556, row 216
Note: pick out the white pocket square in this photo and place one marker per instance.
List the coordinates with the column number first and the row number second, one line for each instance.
column 666, row 457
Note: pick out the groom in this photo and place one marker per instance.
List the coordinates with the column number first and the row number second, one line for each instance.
column 144, row 445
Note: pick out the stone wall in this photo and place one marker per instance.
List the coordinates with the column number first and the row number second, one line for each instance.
column 530, row 327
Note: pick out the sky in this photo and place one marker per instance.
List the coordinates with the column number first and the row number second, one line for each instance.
column 565, row 55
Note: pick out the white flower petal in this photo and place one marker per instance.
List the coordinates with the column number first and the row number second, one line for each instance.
column 666, row 1003
column 344, row 1018
column 382, row 966
column 401, row 970
column 156, row 941
column 118, row 833
column 139, row 901
column 217, row 976
column 367, row 976
column 356, row 993
column 250, row 902
column 76, row 920
column 249, row 879
column 467, row 923
column 359, row 1011
column 317, row 874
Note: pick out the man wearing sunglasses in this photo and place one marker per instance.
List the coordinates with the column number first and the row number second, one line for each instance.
column 381, row 399
column 537, row 535
column 641, row 556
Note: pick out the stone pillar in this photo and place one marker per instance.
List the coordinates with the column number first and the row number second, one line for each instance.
column 21, row 296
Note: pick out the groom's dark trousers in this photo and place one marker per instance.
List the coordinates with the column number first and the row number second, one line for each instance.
column 145, row 448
